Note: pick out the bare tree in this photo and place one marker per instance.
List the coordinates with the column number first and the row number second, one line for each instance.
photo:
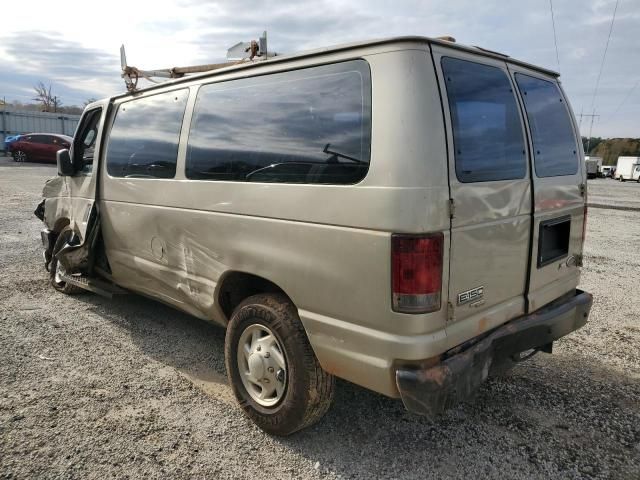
column 56, row 103
column 44, row 97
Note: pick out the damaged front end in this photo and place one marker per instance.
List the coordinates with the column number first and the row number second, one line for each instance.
column 56, row 212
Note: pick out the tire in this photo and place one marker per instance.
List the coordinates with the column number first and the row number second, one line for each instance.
column 20, row 156
column 306, row 389
column 55, row 268
column 621, row 179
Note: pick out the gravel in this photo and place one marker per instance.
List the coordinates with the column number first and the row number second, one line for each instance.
column 129, row 388
column 612, row 194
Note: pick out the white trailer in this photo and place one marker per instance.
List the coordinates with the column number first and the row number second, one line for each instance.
column 628, row 168
column 593, row 166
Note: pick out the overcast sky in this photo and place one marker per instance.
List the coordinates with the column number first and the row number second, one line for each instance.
column 74, row 44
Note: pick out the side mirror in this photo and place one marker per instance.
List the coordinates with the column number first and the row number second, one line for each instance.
column 65, row 167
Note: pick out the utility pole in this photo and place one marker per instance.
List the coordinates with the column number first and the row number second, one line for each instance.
column 593, row 116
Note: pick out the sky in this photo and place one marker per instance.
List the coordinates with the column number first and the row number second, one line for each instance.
column 75, row 46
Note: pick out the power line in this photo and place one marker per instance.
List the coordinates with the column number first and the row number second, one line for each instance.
column 604, row 56
column 593, row 117
column 626, row 98
column 555, row 38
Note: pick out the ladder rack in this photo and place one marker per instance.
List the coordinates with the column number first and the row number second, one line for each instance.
column 241, row 52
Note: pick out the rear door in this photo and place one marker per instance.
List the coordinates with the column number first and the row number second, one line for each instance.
column 490, row 189
column 50, row 146
column 559, row 187
column 34, row 147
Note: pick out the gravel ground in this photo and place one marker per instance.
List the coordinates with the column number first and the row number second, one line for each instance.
column 607, row 192
column 129, row 388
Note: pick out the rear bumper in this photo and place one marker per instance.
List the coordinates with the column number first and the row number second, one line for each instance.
column 430, row 391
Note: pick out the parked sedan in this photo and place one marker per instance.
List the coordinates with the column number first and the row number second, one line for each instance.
column 40, row 147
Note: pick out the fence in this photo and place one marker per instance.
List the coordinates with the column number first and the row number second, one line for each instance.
column 15, row 122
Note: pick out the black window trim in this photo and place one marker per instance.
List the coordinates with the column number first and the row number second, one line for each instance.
column 114, row 114
column 523, row 125
column 368, row 88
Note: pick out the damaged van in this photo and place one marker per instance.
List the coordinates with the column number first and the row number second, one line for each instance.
column 406, row 214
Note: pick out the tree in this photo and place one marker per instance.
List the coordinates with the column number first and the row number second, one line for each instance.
column 43, row 96
column 56, row 103
column 591, row 143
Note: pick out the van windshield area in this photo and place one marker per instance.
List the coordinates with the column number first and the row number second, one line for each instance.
column 554, row 142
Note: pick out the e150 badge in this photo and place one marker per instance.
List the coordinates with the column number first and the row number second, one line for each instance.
column 470, row 295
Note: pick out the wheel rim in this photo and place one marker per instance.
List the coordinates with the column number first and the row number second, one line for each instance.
column 262, row 365
column 20, row 156
column 59, row 272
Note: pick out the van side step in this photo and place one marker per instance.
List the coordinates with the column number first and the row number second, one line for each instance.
column 101, row 287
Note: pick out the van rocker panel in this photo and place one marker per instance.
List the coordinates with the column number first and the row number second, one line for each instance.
column 430, row 391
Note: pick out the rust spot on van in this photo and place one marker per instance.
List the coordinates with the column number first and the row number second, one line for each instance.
column 437, row 375
column 482, row 324
column 331, row 368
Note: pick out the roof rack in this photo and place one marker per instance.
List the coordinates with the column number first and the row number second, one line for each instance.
column 241, row 52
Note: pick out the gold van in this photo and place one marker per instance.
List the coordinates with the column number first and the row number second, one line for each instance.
column 406, row 214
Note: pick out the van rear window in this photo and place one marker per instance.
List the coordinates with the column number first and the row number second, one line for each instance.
column 487, row 129
column 554, row 143
column 304, row 126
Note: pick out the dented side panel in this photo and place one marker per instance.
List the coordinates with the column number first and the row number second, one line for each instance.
column 326, row 246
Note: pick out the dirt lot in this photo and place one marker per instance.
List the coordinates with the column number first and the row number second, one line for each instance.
column 129, row 388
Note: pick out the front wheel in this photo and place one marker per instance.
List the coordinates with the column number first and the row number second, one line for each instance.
column 273, row 371
column 56, row 270
column 19, row 156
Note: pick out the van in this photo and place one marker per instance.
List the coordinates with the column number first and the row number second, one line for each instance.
column 628, row 168
column 406, row 214
column 593, row 166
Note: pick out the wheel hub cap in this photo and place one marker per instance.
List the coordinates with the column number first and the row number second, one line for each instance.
column 262, row 365
column 60, row 272
column 256, row 366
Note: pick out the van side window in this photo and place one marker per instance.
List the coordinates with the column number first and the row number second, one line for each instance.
column 554, row 142
column 143, row 142
column 311, row 125
column 487, row 129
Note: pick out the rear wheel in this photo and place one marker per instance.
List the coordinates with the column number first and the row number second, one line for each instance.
column 56, row 269
column 273, row 371
column 19, row 156
column 621, row 179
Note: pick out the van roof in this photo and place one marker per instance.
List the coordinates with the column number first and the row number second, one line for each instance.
column 345, row 47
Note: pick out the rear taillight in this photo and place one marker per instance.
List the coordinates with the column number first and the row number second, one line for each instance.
column 416, row 272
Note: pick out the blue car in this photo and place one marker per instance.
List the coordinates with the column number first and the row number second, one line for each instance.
column 9, row 140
